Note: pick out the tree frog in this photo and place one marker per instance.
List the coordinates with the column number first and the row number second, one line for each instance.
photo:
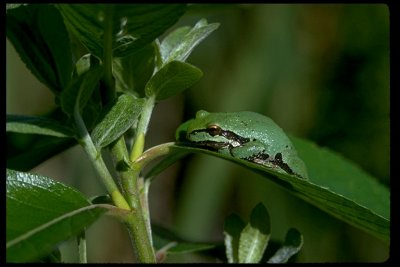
column 245, row 135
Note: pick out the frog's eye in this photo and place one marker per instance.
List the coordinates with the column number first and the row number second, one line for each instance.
column 214, row 130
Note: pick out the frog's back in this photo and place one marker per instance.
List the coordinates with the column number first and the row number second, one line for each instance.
column 263, row 129
column 277, row 141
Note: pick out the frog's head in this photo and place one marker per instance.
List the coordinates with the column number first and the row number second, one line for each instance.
column 209, row 129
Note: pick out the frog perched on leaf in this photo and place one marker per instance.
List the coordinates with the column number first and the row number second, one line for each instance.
column 245, row 135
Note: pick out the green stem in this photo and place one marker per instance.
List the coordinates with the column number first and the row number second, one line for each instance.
column 138, row 220
column 127, row 174
column 95, row 156
column 140, row 239
column 134, row 219
column 143, row 124
column 144, row 196
column 82, row 247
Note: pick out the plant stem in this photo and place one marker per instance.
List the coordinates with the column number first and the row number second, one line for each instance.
column 134, row 219
column 95, row 156
column 140, row 240
column 138, row 221
column 127, row 174
column 144, row 197
column 138, row 145
column 82, row 247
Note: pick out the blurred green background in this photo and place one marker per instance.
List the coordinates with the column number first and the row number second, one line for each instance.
column 319, row 71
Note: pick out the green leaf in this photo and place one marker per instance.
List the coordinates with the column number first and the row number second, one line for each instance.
column 41, row 40
column 41, row 213
column 335, row 185
column 180, row 43
column 292, row 245
column 232, row 228
column 134, row 71
column 172, row 79
column 26, row 151
column 332, row 171
column 255, row 236
column 128, row 27
column 87, row 74
column 117, row 120
column 37, row 125
column 165, row 163
column 171, row 42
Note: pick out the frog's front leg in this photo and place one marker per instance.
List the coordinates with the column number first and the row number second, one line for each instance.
column 253, row 151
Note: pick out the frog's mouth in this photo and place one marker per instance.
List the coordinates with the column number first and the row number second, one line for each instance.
column 210, row 145
column 232, row 139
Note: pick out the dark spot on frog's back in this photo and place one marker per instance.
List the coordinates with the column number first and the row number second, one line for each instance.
column 279, row 162
column 259, row 158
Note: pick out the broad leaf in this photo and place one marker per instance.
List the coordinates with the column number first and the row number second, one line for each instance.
column 37, row 125
column 117, row 120
column 41, row 40
column 292, row 245
column 133, row 72
column 26, row 151
column 165, row 163
column 255, row 236
column 171, row 42
column 126, row 27
column 180, row 43
column 335, row 185
column 232, row 228
column 172, row 79
column 41, row 213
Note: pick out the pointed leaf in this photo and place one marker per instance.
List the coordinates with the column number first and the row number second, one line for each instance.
column 172, row 79
column 41, row 213
column 255, row 236
column 292, row 245
column 180, row 43
column 41, row 40
column 37, row 125
column 165, row 163
column 26, row 151
column 335, row 185
column 172, row 41
column 119, row 118
column 130, row 26
column 232, row 228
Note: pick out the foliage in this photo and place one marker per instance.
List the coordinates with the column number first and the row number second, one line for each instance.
column 107, row 94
